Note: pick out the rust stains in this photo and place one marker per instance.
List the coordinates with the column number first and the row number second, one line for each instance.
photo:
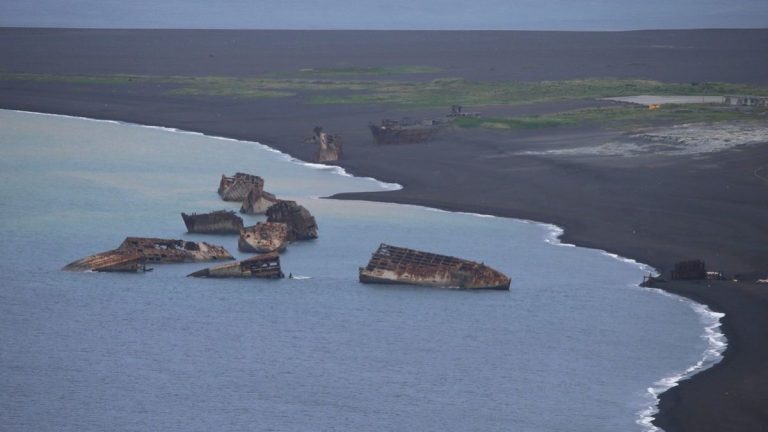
column 263, row 266
column 264, row 237
column 329, row 146
column 235, row 188
column 217, row 222
column 397, row 265
column 135, row 252
column 301, row 223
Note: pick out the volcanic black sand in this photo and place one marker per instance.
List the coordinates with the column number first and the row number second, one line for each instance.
column 657, row 209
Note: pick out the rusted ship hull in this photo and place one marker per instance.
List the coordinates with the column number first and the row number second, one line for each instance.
column 402, row 135
column 257, row 201
column 301, row 223
column 329, row 146
column 110, row 261
column 263, row 267
column 135, row 252
column 396, row 265
column 218, row 222
column 264, row 237
column 236, row 188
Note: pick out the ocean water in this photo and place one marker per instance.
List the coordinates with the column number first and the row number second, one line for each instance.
column 575, row 345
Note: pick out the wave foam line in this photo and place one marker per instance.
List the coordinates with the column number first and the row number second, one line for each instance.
column 716, row 344
column 716, row 340
column 332, row 168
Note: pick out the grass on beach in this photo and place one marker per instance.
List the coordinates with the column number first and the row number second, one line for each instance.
column 318, row 87
column 620, row 117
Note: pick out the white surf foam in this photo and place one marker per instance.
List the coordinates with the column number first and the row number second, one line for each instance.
column 716, row 340
column 716, row 344
column 331, row 168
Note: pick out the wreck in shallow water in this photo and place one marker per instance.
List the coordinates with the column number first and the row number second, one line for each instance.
column 265, row 266
column 217, row 222
column 329, row 146
column 236, row 188
column 135, row 252
column 301, row 223
column 257, row 201
column 264, row 237
column 397, row 265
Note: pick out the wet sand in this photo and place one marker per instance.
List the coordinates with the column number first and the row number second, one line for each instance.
column 657, row 209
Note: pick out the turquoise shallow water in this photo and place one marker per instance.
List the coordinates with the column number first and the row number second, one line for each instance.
column 573, row 346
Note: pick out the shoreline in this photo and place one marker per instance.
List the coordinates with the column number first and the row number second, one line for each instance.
column 655, row 209
column 711, row 357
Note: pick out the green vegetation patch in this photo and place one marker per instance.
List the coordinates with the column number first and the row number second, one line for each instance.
column 446, row 92
column 327, row 86
column 613, row 117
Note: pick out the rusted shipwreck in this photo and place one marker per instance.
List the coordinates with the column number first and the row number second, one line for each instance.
column 301, row 223
column 257, row 201
column 265, row 266
column 404, row 131
column 136, row 252
column 217, row 222
column 329, row 146
column 264, row 237
column 397, row 265
column 236, row 188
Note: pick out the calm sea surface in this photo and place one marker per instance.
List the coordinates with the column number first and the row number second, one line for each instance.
column 575, row 345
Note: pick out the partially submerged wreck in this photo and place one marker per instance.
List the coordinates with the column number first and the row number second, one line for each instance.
column 301, row 223
column 264, row 237
column 135, row 252
column 236, row 188
column 262, row 266
column 405, row 131
column 330, row 146
column 257, row 201
column 217, row 222
column 396, row 265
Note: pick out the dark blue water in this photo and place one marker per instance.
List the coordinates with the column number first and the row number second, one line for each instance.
column 575, row 345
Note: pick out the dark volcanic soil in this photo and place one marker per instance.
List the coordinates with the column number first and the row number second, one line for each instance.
column 656, row 209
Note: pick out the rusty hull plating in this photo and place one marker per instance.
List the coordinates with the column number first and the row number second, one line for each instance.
column 265, row 266
column 264, row 237
column 257, row 201
column 301, row 223
column 236, row 188
column 135, row 252
column 329, row 146
column 396, row 265
column 217, row 222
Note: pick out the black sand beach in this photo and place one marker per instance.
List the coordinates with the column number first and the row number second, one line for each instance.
column 657, row 209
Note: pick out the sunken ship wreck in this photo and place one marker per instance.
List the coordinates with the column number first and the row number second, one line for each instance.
column 136, row 252
column 217, row 222
column 404, row 132
column 265, row 266
column 397, row 265
column 264, row 237
column 301, row 224
column 236, row 188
